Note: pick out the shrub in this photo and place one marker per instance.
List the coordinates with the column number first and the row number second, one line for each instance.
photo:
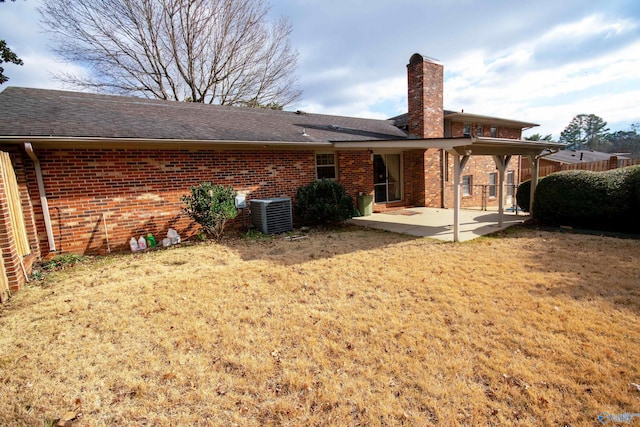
column 584, row 199
column 523, row 195
column 323, row 202
column 631, row 177
column 211, row 206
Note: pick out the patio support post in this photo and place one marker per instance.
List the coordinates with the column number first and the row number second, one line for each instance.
column 456, row 197
column 459, row 163
column 535, row 163
column 501, row 163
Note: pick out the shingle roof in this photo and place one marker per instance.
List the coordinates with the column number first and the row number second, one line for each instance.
column 41, row 112
column 580, row 156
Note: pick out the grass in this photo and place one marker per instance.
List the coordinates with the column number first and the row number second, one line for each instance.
column 356, row 327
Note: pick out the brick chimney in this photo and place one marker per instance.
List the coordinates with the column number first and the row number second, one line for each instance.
column 425, row 84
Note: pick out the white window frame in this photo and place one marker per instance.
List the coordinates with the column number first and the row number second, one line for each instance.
column 493, row 185
column 466, row 130
column 511, row 176
column 333, row 166
column 494, row 132
column 467, row 188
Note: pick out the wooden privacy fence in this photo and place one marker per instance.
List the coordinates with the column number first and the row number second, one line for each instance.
column 4, row 283
column 598, row 166
column 15, row 241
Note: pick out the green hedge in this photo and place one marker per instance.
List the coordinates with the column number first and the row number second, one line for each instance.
column 523, row 195
column 323, row 202
column 595, row 200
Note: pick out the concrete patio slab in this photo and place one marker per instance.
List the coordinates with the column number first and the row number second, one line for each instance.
column 438, row 223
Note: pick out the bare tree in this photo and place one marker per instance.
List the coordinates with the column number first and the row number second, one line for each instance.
column 215, row 51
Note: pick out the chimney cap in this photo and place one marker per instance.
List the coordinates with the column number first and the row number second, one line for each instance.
column 416, row 58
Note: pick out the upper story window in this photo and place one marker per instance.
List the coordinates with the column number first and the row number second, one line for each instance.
column 479, row 130
column 466, row 131
column 326, row 166
column 494, row 132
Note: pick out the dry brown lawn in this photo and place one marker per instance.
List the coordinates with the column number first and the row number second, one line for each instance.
column 343, row 328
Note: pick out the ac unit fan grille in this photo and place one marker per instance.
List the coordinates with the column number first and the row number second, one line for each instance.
column 272, row 216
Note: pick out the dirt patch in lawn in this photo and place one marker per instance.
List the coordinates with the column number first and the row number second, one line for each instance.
column 356, row 327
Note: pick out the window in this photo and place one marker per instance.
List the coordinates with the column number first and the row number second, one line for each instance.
column 510, row 184
column 479, row 130
column 446, row 166
column 326, row 166
column 494, row 132
column 493, row 181
column 467, row 181
column 466, row 131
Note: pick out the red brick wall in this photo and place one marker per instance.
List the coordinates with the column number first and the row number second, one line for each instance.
column 433, row 178
column 425, row 98
column 139, row 190
column 457, row 129
column 355, row 172
column 10, row 256
column 413, row 168
column 479, row 167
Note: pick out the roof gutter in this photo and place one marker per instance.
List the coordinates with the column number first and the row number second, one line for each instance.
column 43, row 196
column 145, row 143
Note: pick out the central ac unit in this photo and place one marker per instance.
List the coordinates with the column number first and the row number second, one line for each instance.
column 272, row 216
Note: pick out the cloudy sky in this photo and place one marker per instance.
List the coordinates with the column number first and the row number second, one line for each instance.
column 543, row 61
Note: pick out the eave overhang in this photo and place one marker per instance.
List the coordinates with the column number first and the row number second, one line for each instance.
column 483, row 146
column 142, row 143
column 399, row 144
column 462, row 146
column 487, row 120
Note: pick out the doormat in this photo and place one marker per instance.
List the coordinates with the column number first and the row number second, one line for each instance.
column 403, row 212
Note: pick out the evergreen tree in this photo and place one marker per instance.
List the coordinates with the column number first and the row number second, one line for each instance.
column 538, row 137
column 585, row 131
column 624, row 141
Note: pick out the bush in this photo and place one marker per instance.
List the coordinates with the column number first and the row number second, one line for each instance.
column 595, row 200
column 323, row 202
column 523, row 195
column 211, row 206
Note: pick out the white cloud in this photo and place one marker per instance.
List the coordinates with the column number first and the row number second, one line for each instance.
column 41, row 76
column 361, row 99
column 510, row 84
column 596, row 24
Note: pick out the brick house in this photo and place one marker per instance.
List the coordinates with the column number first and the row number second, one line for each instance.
column 80, row 167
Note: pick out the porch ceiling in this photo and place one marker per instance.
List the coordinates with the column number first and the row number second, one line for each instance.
column 506, row 147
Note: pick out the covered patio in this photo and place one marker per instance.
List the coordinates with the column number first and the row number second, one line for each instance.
column 437, row 223
column 461, row 149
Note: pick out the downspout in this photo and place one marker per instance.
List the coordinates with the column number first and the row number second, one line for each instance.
column 43, row 196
